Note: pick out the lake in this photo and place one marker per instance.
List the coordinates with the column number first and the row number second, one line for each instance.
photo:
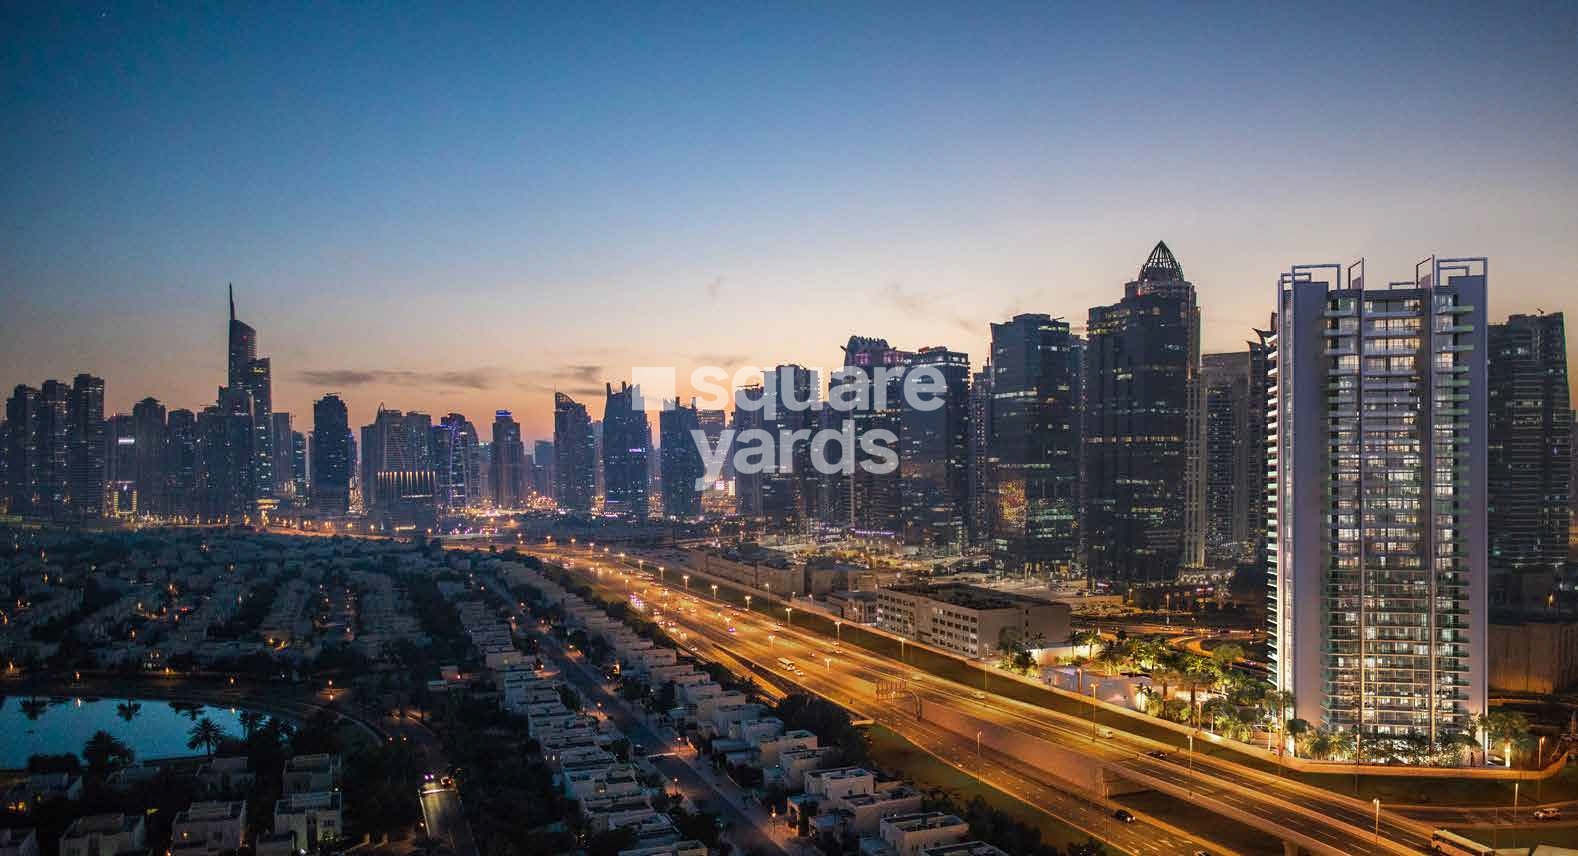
column 65, row 724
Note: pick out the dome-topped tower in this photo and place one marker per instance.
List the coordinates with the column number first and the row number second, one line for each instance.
column 1162, row 266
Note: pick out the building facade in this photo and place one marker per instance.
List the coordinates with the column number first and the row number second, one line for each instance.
column 1144, row 439
column 934, row 454
column 574, row 455
column 1377, row 524
column 332, row 460
column 1530, row 440
column 970, row 620
column 1035, row 444
column 627, row 444
column 681, row 460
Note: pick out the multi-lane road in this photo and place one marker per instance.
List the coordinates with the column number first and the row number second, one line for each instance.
column 1315, row 819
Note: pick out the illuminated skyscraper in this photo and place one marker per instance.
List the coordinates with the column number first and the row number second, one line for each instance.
column 248, row 372
column 574, row 454
column 791, row 494
column 627, row 442
column 542, row 456
column 86, row 451
column 1530, row 455
column 180, row 464
column 1144, row 417
column 1378, row 461
column 120, row 487
column 282, row 466
column 457, row 459
column 681, row 460
column 1235, row 461
column 980, row 469
column 867, row 502
column 509, row 462
column 22, row 450
column 332, row 457
column 1034, row 446
column 149, row 431
column 934, row 454
column 748, row 416
column 226, row 460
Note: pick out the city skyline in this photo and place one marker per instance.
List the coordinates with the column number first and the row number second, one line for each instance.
column 394, row 239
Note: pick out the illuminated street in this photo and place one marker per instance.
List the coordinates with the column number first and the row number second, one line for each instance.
column 850, row 676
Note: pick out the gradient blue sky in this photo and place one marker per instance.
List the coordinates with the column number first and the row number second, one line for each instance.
column 461, row 206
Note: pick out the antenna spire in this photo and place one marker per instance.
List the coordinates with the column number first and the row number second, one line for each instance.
column 232, row 301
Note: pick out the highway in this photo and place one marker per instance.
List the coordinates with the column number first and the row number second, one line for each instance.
column 850, row 675
column 850, row 679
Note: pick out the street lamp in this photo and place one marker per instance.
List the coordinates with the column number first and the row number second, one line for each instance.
column 714, row 591
column 978, row 747
column 838, row 630
column 1515, row 813
column 687, row 582
column 1191, row 762
column 747, row 603
column 1377, row 802
column 1539, row 766
column 789, row 615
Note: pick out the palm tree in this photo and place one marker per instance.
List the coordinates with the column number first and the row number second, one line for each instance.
column 1344, row 743
column 1217, row 712
column 104, row 751
column 128, row 710
column 1321, row 744
column 250, row 720
column 1112, row 657
column 1226, row 654
column 1299, row 730
column 1198, row 672
column 33, row 708
column 207, row 734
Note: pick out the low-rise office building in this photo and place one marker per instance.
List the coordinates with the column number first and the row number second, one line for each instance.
column 969, row 620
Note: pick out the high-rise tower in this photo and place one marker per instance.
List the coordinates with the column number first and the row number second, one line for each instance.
column 1377, row 523
column 1035, row 441
column 1144, row 433
column 1530, row 454
column 574, row 455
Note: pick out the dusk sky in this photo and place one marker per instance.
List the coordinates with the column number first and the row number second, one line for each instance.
column 451, row 208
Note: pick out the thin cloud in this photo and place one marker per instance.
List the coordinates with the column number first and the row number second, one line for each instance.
column 474, row 379
column 896, row 295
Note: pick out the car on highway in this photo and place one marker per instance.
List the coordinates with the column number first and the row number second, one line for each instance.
column 1123, row 815
column 1104, row 731
column 978, row 695
column 1156, row 753
column 731, row 628
column 1549, row 812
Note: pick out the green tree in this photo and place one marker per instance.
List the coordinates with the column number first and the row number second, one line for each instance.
column 128, row 710
column 104, row 751
column 250, row 720
column 207, row 734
